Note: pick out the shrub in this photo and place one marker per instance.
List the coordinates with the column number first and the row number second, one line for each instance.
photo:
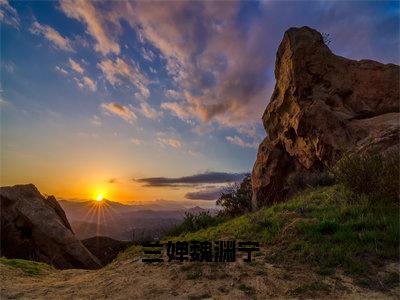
column 370, row 172
column 302, row 180
column 195, row 222
column 236, row 200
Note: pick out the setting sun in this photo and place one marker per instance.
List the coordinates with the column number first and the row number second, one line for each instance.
column 99, row 198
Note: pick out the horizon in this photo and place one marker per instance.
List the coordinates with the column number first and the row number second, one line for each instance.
column 118, row 100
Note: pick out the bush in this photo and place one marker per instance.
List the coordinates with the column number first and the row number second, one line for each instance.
column 193, row 223
column 371, row 172
column 302, row 180
column 236, row 200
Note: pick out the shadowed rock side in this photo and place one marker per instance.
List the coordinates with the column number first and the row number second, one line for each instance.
column 105, row 248
column 322, row 105
column 35, row 228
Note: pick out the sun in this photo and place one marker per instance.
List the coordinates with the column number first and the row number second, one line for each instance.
column 99, row 198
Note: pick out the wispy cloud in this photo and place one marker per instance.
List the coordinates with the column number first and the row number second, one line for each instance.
column 197, row 179
column 136, row 142
column 236, row 140
column 8, row 14
column 61, row 70
column 52, row 35
column 76, row 66
column 177, row 109
column 96, row 120
column 90, row 83
column 211, row 193
column 95, row 22
column 148, row 54
column 148, row 111
column 85, row 82
column 172, row 142
column 172, row 94
column 117, row 70
column 124, row 112
column 9, row 66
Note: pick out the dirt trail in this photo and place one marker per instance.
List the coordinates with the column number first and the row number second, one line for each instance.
column 133, row 279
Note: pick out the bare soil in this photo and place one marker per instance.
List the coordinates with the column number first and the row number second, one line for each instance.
column 133, row 279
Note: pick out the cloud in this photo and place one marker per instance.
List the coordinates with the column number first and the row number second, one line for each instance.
column 90, row 83
column 136, row 142
column 199, row 40
column 95, row 21
column 61, row 70
column 116, row 71
column 221, row 55
column 3, row 102
column 76, row 66
column 96, row 120
column 172, row 94
column 52, row 35
column 8, row 14
column 121, row 111
column 9, row 66
column 177, row 109
column 198, row 179
column 212, row 193
column 147, row 111
column 148, row 54
column 172, row 142
column 238, row 141
column 79, row 83
column 85, row 82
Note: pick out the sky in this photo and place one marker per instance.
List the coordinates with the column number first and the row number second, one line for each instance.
column 143, row 101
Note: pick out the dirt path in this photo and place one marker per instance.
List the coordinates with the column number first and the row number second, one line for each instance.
column 136, row 280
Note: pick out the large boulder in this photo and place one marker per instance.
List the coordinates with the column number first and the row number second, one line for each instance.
column 322, row 105
column 36, row 228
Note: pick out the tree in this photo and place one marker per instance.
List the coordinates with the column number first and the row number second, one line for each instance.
column 236, row 200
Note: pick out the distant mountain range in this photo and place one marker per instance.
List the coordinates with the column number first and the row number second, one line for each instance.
column 122, row 221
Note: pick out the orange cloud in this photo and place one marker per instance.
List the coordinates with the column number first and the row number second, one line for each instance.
column 86, row 12
column 122, row 111
column 52, row 35
column 76, row 66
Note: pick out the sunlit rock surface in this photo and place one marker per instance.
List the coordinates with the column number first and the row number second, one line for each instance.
column 322, row 105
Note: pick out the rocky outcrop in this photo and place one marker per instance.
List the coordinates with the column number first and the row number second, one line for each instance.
column 322, row 105
column 105, row 248
column 36, row 228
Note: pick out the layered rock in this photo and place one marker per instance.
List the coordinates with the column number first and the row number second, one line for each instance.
column 322, row 105
column 34, row 227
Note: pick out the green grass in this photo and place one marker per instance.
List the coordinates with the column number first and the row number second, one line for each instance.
column 30, row 268
column 328, row 227
column 325, row 227
column 130, row 252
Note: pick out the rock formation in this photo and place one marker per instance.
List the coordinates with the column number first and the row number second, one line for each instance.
column 322, row 105
column 36, row 228
column 105, row 248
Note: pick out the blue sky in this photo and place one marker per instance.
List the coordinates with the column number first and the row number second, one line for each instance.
column 96, row 95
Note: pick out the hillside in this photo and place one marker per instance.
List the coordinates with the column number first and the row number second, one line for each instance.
column 123, row 222
column 325, row 241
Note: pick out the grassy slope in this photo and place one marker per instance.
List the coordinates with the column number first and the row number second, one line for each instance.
column 28, row 267
column 321, row 230
column 326, row 227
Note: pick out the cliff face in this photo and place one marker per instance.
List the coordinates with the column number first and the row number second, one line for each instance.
column 322, row 105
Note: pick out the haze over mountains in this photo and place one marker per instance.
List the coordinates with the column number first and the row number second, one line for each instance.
column 122, row 221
